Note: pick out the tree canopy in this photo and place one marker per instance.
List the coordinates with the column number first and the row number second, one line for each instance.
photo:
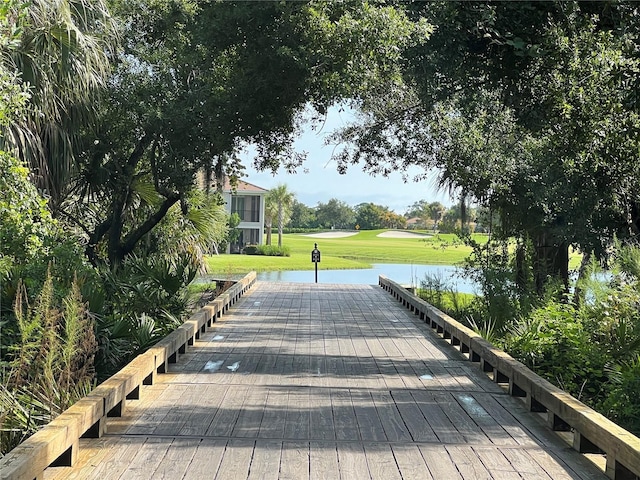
column 59, row 52
column 335, row 214
column 370, row 216
column 193, row 82
column 113, row 109
column 529, row 108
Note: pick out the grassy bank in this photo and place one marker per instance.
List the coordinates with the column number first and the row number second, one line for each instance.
column 369, row 247
column 357, row 251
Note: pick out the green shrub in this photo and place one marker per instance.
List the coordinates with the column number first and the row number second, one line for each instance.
column 622, row 404
column 275, row 251
column 590, row 348
column 33, row 247
column 251, row 250
column 143, row 301
column 553, row 342
column 25, row 220
column 433, row 288
column 267, row 250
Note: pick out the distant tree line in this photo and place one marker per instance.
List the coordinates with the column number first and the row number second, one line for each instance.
column 283, row 210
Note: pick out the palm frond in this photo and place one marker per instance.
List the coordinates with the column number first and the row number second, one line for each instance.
column 628, row 260
column 64, row 56
column 146, row 191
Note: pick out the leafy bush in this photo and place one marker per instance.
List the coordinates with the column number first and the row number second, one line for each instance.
column 501, row 302
column 589, row 346
column 24, row 216
column 251, row 250
column 433, row 289
column 203, row 228
column 621, row 404
column 31, row 241
column 33, row 248
column 554, row 343
column 140, row 303
column 267, row 250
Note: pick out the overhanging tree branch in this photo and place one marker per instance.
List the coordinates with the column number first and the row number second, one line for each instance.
column 132, row 238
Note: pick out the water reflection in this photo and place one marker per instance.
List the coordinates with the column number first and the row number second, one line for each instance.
column 401, row 273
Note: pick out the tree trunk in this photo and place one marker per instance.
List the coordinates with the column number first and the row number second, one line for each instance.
column 280, row 221
column 268, row 227
column 113, row 226
column 634, row 219
column 118, row 247
column 520, row 267
column 114, row 234
column 121, row 242
column 551, row 260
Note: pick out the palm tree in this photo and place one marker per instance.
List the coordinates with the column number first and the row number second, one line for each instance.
column 279, row 201
column 437, row 211
column 270, row 212
column 63, row 55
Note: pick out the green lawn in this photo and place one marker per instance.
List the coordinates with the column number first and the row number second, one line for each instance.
column 358, row 251
column 369, row 247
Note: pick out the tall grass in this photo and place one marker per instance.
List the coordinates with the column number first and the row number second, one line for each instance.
column 52, row 365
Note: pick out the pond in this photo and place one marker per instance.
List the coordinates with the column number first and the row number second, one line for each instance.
column 404, row 274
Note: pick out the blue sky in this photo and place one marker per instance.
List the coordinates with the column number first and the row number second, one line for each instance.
column 318, row 180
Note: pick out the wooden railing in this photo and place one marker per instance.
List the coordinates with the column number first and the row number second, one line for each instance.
column 57, row 443
column 592, row 432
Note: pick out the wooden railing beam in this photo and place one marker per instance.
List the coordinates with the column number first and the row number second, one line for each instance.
column 592, row 431
column 57, row 443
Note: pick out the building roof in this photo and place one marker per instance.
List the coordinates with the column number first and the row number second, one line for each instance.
column 244, row 187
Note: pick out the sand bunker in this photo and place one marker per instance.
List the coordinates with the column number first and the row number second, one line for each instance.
column 387, row 234
column 402, row 234
column 336, row 234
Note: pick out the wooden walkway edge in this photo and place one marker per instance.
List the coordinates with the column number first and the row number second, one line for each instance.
column 306, row 381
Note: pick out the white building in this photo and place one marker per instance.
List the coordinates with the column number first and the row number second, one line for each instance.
column 248, row 202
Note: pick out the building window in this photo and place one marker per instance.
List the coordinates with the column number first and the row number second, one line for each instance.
column 237, row 206
column 255, row 209
column 248, row 236
column 247, row 207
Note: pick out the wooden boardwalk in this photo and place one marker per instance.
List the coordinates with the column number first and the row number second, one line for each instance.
column 310, row 381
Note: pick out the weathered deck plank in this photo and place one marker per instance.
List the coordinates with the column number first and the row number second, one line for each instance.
column 344, row 415
column 324, row 381
column 236, row 460
column 323, row 460
column 175, row 463
column 410, row 462
column 394, row 426
column 265, row 464
column 206, row 460
column 294, row 461
column 439, row 462
column 352, row 461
